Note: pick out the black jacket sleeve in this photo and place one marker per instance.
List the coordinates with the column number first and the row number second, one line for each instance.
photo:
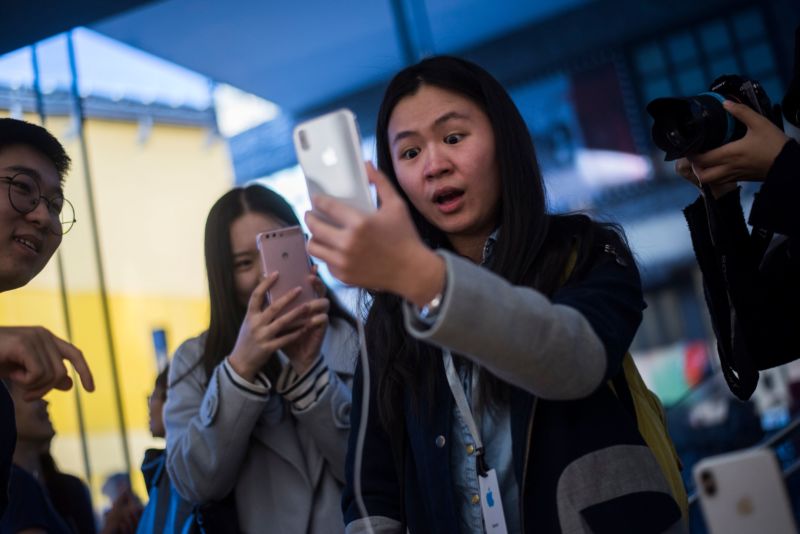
column 750, row 295
column 775, row 205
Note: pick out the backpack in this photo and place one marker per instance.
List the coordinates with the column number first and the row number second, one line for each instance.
column 631, row 390
column 651, row 421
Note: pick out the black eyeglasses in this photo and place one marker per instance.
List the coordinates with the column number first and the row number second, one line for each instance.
column 24, row 194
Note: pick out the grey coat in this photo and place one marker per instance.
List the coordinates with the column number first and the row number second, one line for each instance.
column 286, row 466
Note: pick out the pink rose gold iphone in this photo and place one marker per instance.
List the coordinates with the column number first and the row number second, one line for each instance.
column 284, row 250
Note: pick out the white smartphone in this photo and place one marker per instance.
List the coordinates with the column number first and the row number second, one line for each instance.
column 284, row 250
column 743, row 492
column 328, row 149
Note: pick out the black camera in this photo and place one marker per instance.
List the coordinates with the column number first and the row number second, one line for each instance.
column 685, row 126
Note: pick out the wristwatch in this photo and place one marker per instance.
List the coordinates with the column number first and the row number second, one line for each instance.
column 430, row 310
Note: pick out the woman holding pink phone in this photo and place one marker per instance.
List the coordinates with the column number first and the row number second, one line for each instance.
column 494, row 330
column 257, row 414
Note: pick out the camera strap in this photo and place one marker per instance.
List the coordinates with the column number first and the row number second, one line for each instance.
column 760, row 238
column 739, row 370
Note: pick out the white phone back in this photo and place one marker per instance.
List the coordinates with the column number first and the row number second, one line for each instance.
column 328, row 149
column 749, row 494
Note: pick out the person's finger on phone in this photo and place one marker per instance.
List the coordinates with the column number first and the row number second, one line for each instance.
column 318, row 305
column 304, row 317
column 384, row 188
column 322, row 231
column 318, row 316
column 326, row 243
column 315, row 322
column 259, row 294
column 288, row 337
column 325, row 210
column 292, row 320
column 317, row 285
column 333, row 257
column 276, row 307
column 337, row 211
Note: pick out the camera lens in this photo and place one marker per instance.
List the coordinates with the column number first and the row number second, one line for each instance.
column 676, row 138
column 708, row 483
column 684, row 126
column 303, row 140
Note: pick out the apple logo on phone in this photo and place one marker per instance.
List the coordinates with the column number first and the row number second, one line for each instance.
column 489, row 498
column 329, row 157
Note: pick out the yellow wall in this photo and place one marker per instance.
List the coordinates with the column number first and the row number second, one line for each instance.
column 151, row 199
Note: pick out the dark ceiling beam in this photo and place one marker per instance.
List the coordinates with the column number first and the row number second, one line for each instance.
column 551, row 44
column 599, row 26
column 413, row 29
column 25, row 22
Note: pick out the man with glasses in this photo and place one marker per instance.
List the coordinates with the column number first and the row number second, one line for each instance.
column 34, row 215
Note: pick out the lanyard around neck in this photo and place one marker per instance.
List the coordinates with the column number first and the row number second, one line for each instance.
column 464, row 409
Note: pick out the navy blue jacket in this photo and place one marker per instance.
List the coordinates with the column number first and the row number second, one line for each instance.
column 166, row 511
column 406, row 471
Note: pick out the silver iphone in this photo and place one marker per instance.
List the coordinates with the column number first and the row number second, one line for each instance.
column 328, row 148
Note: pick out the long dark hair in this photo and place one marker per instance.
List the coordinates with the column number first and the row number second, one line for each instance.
column 227, row 313
column 532, row 246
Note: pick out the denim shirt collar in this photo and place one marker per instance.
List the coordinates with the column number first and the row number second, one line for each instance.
column 488, row 246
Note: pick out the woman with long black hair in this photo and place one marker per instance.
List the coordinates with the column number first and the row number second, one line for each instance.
column 494, row 330
column 257, row 414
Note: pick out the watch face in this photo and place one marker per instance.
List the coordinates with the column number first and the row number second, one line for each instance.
column 431, row 308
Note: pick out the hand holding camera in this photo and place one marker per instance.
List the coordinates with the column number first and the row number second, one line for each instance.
column 729, row 134
column 749, row 158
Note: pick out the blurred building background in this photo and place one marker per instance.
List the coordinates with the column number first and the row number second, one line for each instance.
column 164, row 105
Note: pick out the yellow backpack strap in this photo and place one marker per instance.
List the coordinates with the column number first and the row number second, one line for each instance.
column 645, row 406
column 571, row 261
column 652, row 424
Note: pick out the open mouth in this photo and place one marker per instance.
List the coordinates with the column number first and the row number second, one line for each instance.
column 33, row 245
column 448, row 196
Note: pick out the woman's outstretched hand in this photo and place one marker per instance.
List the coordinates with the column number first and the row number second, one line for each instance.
column 36, row 360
